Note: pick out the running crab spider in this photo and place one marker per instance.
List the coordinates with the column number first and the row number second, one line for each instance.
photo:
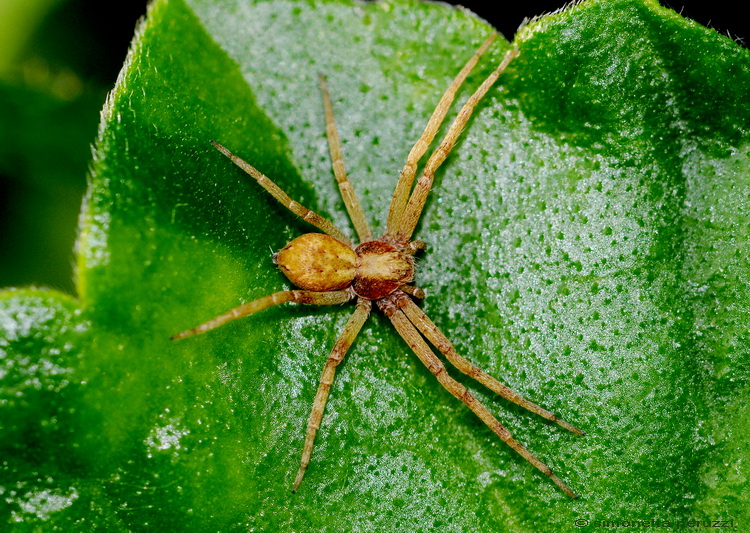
column 329, row 269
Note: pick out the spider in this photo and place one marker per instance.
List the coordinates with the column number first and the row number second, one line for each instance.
column 329, row 269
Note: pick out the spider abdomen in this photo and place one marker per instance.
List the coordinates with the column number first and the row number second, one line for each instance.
column 318, row 262
column 381, row 269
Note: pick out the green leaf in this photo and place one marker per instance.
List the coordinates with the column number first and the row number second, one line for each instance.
column 44, row 149
column 588, row 246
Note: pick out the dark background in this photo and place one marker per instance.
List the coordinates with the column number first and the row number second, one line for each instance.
column 50, row 96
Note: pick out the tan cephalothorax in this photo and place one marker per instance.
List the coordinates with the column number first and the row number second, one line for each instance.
column 330, row 269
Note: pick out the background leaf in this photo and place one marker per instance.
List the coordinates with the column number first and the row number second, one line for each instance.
column 58, row 59
column 588, row 246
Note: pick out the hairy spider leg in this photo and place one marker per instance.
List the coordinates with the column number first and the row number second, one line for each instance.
column 418, row 345
column 413, row 291
column 403, row 186
column 323, row 224
column 412, row 213
column 433, row 334
column 351, row 201
column 345, row 340
column 277, row 298
column 412, row 247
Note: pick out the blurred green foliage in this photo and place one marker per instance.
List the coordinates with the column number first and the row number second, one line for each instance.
column 58, row 59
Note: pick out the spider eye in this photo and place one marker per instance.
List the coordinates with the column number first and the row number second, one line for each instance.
column 317, row 262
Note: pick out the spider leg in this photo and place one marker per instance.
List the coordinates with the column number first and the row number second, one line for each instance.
column 412, row 290
column 403, row 186
column 428, row 328
column 323, row 224
column 351, row 201
column 345, row 340
column 409, row 333
column 413, row 247
column 303, row 297
column 414, row 207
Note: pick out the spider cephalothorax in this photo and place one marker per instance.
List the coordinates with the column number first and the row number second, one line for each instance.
column 329, row 269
